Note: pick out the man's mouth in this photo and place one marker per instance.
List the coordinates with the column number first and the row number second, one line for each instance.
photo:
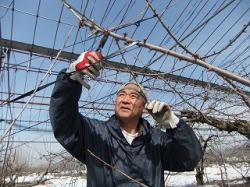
column 125, row 108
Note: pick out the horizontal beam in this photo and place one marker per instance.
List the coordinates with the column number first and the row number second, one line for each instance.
column 69, row 56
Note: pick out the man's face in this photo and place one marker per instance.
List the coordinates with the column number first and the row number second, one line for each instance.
column 129, row 105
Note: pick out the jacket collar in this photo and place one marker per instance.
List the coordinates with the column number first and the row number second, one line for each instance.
column 114, row 128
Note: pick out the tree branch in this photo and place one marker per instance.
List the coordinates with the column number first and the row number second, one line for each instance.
column 112, row 167
column 195, row 60
column 241, row 126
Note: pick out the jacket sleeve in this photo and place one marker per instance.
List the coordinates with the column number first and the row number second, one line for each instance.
column 64, row 116
column 182, row 148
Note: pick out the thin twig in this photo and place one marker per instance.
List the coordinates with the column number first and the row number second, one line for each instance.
column 35, row 90
column 194, row 60
column 169, row 31
column 230, row 43
column 112, row 167
column 240, row 92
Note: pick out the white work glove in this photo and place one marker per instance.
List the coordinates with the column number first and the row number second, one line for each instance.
column 88, row 63
column 162, row 114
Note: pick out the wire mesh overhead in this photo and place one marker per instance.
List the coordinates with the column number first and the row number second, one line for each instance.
column 193, row 55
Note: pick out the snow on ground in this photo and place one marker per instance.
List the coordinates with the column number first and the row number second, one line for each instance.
column 175, row 180
column 211, row 173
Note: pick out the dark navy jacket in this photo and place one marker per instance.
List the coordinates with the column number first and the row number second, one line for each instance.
column 144, row 160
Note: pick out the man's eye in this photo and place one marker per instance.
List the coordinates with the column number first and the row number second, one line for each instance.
column 134, row 96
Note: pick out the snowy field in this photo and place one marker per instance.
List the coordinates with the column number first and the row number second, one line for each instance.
column 173, row 180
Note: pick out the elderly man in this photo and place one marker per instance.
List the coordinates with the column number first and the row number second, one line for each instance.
column 137, row 152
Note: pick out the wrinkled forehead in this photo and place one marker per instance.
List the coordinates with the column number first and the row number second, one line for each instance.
column 129, row 91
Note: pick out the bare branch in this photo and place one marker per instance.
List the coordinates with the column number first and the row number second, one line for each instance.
column 241, row 126
column 169, row 31
column 112, row 167
column 244, row 97
column 243, row 30
column 195, row 60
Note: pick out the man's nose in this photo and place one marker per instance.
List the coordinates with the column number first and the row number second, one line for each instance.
column 126, row 98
